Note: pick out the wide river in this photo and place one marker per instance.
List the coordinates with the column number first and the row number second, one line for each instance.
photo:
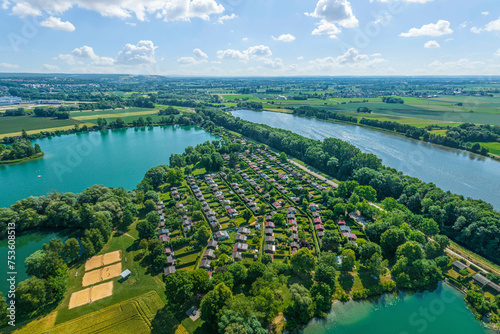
column 458, row 171
column 114, row 158
column 438, row 312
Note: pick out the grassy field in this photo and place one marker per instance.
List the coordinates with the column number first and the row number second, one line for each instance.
column 494, row 148
column 15, row 124
column 403, row 120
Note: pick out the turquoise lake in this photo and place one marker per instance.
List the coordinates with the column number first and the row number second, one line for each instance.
column 114, row 158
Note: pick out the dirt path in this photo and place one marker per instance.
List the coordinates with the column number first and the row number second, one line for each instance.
column 123, row 233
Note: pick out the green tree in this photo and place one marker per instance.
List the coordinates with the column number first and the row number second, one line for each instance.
column 331, row 241
column 325, row 274
column 367, row 250
column 348, row 259
column 146, row 230
column 213, row 303
column 256, row 270
column 175, row 177
column 200, row 280
column 71, row 249
column 301, row 308
column 390, row 240
column 149, row 205
column 411, row 250
column 224, row 277
column 202, row 235
column 283, row 157
column 376, row 264
column 179, row 287
column 239, row 272
column 303, row 262
column 247, row 215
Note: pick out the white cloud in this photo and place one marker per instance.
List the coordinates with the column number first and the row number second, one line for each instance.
column 244, row 39
column 464, row 24
column 486, row 13
column 333, row 13
column 497, row 53
column 259, row 51
column 351, row 58
column 85, row 52
column 449, row 39
column 199, row 54
column 132, row 24
column 186, row 61
column 432, row 45
column 9, row 66
column 376, row 55
column 440, row 28
column 50, row 68
column 169, row 10
column 224, row 18
column 492, row 26
column 56, row 23
column 143, row 53
column 300, row 58
column 232, row 54
column 284, row 38
column 329, row 29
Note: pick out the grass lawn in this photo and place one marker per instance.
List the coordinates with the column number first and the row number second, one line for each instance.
column 119, row 113
column 494, row 148
column 14, row 124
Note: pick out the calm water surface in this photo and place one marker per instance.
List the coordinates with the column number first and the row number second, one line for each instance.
column 115, row 158
column 438, row 312
column 458, row 171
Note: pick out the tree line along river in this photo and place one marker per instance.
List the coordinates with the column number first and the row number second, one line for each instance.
column 121, row 157
column 460, row 172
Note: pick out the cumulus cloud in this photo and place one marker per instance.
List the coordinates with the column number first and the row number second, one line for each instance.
column 442, row 27
column 432, row 45
column 142, row 53
column 492, row 26
column 257, row 53
column 199, row 54
column 169, row 10
column 9, row 66
column 325, row 28
column 333, row 13
column 232, row 54
column 351, row 58
column 56, row 23
column 224, row 18
column 284, row 38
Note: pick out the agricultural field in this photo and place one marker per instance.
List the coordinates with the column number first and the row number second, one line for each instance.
column 13, row 124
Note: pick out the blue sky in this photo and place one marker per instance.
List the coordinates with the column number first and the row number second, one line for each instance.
column 251, row 37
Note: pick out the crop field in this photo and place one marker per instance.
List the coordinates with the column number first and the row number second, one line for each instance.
column 131, row 316
column 12, row 124
column 403, row 120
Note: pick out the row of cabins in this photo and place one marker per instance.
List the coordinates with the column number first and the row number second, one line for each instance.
column 209, row 255
column 479, row 279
